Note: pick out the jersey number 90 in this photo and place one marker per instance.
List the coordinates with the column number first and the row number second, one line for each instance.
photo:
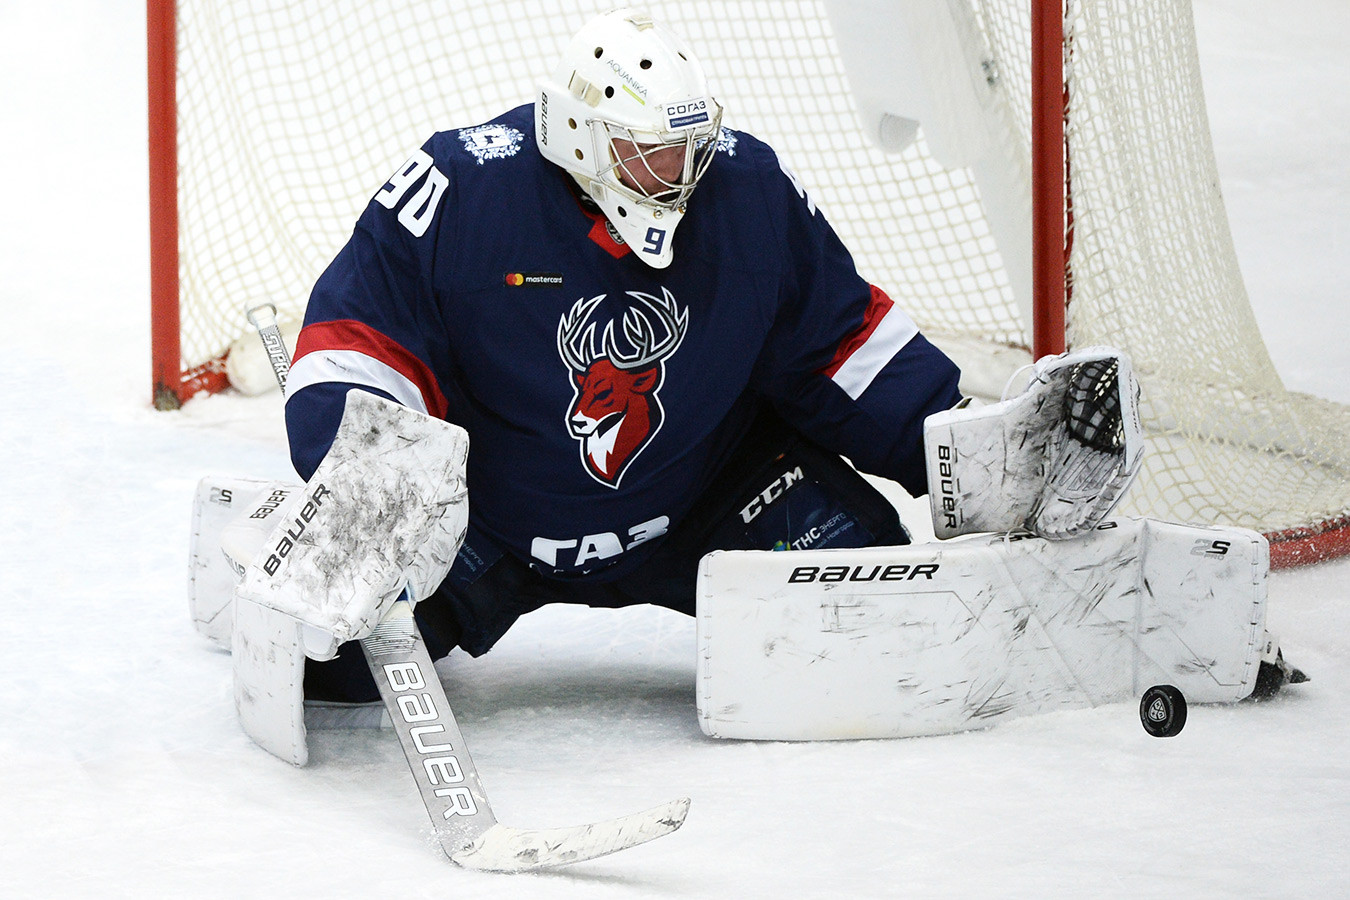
column 417, row 213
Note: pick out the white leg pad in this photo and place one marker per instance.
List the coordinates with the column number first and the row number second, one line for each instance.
column 231, row 518
column 944, row 637
column 269, row 676
column 219, row 500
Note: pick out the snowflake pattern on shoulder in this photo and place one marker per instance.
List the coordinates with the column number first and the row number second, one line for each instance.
column 491, row 141
column 726, row 142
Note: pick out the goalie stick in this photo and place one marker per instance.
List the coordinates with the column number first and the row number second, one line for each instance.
column 437, row 757
column 448, row 779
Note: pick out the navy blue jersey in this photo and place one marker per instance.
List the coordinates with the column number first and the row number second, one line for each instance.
column 601, row 396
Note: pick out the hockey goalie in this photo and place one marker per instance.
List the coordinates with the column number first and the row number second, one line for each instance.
column 671, row 376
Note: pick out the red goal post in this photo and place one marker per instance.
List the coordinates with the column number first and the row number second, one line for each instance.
column 1078, row 130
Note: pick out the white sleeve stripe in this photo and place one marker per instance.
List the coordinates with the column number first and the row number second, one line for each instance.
column 892, row 334
column 353, row 367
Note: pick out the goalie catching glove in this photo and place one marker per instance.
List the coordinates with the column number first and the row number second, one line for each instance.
column 1053, row 460
column 385, row 512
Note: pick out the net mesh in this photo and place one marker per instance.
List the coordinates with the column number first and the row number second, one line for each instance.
column 1153, row 271
column 292, row 113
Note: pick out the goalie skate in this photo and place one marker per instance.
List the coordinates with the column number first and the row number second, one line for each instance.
column 1274, row 673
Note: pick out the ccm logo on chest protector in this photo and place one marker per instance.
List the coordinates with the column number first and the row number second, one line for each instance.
column 298, row 526
column 770, row 494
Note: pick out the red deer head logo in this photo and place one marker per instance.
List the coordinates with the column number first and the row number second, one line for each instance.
column 615, row 409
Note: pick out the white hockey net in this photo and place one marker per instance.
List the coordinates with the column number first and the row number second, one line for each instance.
column 291, row 114
column 1153, row 271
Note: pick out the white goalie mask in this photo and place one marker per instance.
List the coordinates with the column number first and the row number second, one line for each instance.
column 627, row 112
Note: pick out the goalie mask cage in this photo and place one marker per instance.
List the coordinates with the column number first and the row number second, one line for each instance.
column 273, row 121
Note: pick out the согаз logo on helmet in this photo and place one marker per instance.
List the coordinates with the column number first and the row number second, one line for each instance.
column 686, row 113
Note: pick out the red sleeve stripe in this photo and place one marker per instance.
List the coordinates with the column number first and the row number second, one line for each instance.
column 862, row 355
column 350, row 351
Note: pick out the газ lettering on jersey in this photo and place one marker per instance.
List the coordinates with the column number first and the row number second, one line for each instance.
column 615, row 408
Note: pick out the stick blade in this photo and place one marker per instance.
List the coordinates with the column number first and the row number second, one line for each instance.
column 505, row 849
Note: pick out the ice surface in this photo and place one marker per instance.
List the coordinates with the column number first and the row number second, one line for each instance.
column 124, row 773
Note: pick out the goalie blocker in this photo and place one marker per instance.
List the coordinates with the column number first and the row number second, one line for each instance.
column 283, row 571
column 937, row 638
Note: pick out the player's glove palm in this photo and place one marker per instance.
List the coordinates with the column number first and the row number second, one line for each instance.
column 1054, row 460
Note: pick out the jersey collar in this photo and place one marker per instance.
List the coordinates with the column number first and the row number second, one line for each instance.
column 602, row 232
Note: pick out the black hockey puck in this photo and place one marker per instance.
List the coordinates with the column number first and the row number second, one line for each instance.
column 1163, row 711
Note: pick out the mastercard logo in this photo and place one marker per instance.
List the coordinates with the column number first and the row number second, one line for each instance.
column 533, row 279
